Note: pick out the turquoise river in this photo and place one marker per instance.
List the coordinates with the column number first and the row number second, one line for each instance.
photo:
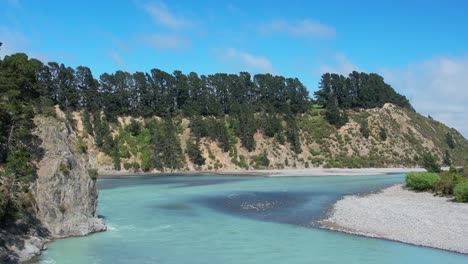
column 232, row 219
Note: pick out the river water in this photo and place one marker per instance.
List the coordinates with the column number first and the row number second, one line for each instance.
column 232, row 219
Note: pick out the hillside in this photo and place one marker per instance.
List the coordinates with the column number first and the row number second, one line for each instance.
column 397, row 137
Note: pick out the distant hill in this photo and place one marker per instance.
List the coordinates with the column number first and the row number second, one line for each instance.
column 390, row 136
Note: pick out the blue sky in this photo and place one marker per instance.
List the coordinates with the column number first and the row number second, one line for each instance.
column 420, row 47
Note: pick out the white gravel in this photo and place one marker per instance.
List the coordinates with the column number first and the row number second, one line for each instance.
column 321, row 172
column 406, row 216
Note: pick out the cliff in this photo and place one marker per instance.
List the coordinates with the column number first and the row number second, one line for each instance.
column 65, row 195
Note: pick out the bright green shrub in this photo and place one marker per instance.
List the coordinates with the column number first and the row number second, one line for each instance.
column 461, row 191
column 421, row 181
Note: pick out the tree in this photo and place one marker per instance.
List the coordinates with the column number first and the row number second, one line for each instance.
column 429, row 163
column 447, row 159
column 194, row 152
column 449, row 140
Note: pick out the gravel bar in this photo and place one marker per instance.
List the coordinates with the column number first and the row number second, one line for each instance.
column 398, row 214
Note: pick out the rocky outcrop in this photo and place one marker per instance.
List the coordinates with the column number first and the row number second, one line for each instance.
column 23, row 239
column 66, row 196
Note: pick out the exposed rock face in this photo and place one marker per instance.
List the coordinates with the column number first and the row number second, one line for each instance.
column 66, row 196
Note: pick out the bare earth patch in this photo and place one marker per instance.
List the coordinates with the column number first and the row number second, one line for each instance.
column 406, row 216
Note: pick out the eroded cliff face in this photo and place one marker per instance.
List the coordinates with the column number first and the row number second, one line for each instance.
column 66, row 196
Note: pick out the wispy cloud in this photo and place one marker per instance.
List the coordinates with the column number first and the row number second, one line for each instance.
column 436, row 87
column 245, row 61
column 161, row 14
column 302, row 28
column 13, row 3
column 339, row 64
column 117, row 59
column 163, row 41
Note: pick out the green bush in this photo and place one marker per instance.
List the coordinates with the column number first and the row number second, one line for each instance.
column 93, row 173
column 132, row 166
column 421, row 181
column 447, row 182
column 261, row 161
column 461, row 191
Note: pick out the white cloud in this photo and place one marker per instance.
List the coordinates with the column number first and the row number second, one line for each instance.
column 303, row 28
column 163, row 41
column 339, row 64
column 160, row 13
column 245, row 61
column 436, row 87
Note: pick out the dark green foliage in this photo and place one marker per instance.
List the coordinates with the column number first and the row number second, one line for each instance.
column 292, row 134
column 358, row 90
column 134, row 128
column 213, row 129
column 461, row 191
column 166, row 152
column 116, row 160
column 382, row 134
column 133, row 166
column 364, row 129
column 270, row 125
column 421, row 181
column 194, row 153
column 261, row 161
column 19, row 94
column 246, row 127
column 429, row 163
column 86, row 119
column 450, row 141
column 447, row 160
column 18, row 164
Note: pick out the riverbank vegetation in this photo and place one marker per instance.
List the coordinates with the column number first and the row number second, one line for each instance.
column 453, row 183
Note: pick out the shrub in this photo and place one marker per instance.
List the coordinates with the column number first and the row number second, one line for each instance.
column 81, row 146
column 261, row 161
column 447, row 182
column 461, row 191
column 132, row 166
column 383, row 134
column 64, row 169
column 93, row 173
column 429, row 163
column 421, row 181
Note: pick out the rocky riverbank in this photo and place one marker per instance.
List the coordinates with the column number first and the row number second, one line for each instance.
column 402, row 215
